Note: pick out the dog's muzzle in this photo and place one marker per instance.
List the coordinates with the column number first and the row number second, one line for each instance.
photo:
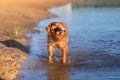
column 58, row 30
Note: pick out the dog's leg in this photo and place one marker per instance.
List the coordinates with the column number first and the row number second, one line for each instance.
column 50, row 53
column 64, row 54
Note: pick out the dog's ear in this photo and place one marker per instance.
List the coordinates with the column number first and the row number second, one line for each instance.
column 48, row 29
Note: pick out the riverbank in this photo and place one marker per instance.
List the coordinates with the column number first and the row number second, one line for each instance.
column 17, row 18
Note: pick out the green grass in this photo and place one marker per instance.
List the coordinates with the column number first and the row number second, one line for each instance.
column 15, row 32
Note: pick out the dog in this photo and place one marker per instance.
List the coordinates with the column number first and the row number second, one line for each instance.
column 57, row 39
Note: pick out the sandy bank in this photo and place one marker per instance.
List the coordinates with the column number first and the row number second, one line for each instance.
column 19, row 13
column 16, row 18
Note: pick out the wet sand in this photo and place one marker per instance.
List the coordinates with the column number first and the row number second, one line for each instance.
column 18, row 17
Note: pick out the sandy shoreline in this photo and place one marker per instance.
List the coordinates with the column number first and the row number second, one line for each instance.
column 17, row 17
column 24, row 13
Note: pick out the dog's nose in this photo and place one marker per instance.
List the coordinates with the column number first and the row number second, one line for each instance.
column 57, row 29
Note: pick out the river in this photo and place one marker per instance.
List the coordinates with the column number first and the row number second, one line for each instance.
column 94, row 46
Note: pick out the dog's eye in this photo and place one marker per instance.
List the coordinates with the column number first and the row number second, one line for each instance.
column 55, row 29
column 64, row 30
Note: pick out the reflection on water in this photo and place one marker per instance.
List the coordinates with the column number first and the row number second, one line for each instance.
column 94, row 47
column 57, row 72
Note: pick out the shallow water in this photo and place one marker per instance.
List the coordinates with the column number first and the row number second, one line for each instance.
column 94, row 47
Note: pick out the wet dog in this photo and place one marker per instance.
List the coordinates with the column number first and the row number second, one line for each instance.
column 57, row 39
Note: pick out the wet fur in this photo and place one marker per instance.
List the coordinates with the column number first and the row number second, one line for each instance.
column 57, row 40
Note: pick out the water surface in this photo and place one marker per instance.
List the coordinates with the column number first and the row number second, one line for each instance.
column 94, row 47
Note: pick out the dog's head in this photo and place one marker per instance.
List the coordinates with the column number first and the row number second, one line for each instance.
column 57, row 30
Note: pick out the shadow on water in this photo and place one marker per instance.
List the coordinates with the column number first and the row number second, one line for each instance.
column 94, row 47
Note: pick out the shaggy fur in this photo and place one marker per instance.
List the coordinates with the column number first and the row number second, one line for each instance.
column 57, row 39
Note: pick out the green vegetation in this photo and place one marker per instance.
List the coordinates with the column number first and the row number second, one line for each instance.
column 96, row 3
column 15, row 31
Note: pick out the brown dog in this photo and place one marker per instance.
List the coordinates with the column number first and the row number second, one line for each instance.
column 57, row 39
